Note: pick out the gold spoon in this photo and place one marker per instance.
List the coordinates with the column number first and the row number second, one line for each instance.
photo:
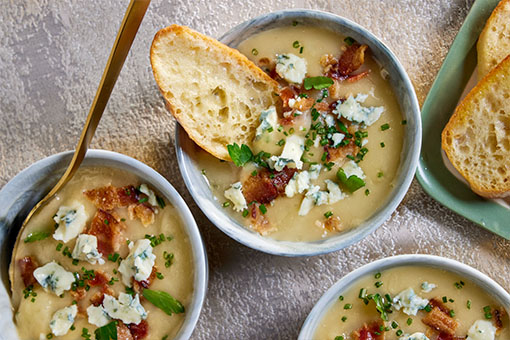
column 125, row 36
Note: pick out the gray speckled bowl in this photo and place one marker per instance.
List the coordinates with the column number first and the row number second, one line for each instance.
column 408, row 103
column 21, row 193
column 331, row 296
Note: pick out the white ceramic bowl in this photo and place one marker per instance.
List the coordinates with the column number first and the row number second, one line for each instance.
column 408, row 103
column 331, row 296
column 29, row 186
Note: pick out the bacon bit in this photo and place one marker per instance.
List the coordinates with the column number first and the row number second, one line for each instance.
column 266, row 64
column 335, row 93
column 333, row 224
column 27, row 265
column 341, row 152
column 143, row 212
column 351, row 60
column 138, row 286
column 434, row 302
column 445, row 336
column 304, row 104
column 370, row 332
column 499, row 314
column 123, row 332
column 259, row 222
column 97, row 298
column 322, row 106
column 78, row 294
column 263, row 189
column 287, row 93
column 356, row 77
column 327, row 61
column 440, row 321
column 139, row 331
column 109, row 236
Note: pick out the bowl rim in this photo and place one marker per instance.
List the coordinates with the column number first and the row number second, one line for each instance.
column 126, row 163
column 407, row 166
column 325, row 302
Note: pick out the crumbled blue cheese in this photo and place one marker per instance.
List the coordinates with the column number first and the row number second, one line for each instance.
column 268, row 119
column 127, row 308
column 415, row 336
column 291, row 67
column 53, row 277
column 334, row 192
column 298, row 183
column 482, row 330
column 409, row 301
column 291, row 154
column 330, row 120
column 138, row 263
column 71, row 222
column 85, row 249
column 352, row 110
column 314, row 171
column 62, row 320
column 314, row 196
column 144, row 189
column 235, row 195
column 337, row 138
column 98, row 316
column 352, row 168
column 427, row 287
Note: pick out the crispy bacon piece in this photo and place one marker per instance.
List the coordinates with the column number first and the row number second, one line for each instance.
column 259, row 222
column 263, row 189
column 341, row 152
column 110, row 197
column 139, row 331
column 79, row 293
column 434, row 302
column 108, row 231
column 287, row 93
column 371, row 331
column 322, row 106
column 354, row 78
column 100, row 279
column 498, row 319
column 440, row 321
column 123, row 332
column 446, row 336
column 327, row 61
column 138, row 286
column 27, row 265
column 266, row 64
column 351, row 60
column 97, row 298
column 333, row 223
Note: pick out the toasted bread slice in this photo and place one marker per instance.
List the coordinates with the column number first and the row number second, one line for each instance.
column 214, row 91
column 494, row 41
column 477, row 137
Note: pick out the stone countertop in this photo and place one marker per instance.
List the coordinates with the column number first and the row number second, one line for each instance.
column 52, row 54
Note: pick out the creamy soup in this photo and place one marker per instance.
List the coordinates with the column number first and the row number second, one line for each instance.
column 424, row 303
column 337, row 113
column 77, row 268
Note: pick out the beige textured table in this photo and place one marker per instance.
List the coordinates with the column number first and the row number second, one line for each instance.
column 52, row 54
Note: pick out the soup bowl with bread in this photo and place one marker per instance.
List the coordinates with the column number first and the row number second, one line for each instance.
column 300, row 137
column 116, row 251
column 411, row 297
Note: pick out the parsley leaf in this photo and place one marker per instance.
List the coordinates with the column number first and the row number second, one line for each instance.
column 36, row 236
column 352, row 183
column 108, row 332
column 318, row 83
column 240, row 154
column 163, row 301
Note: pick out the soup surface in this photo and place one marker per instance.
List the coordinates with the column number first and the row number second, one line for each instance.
column 106, row 249
column 337, row 114
column 441, row 306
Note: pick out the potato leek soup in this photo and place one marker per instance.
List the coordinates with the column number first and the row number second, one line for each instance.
column 414, row 303
column 325, row 158
column 106, row 256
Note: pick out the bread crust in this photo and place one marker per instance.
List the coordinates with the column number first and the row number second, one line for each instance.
column 459, row 120
column 228, row 54
column 484, row 48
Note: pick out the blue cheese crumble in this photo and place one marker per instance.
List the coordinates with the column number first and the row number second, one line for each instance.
column 144, row 189
column 62, row 320
column 127, row 308
column 482, row 330
column 138, row 264
column 235, row 195
column 427, row 287
column 71, row 222
column 54, row 278
column 415, row 336
column 409, row 301
column 291, row 154
column 98, row 316
column 314, row 196
column 268, row 119
column 85, row 249
column 352, row 110
column 352, row 168
column 291, row 67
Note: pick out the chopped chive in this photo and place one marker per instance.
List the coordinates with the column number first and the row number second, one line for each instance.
column 161, row 202
column 468, row 304
column 380, row 174
column 226, row 204
column 377, row 275
column 159, row 276
column 378, row 284
column 143, row 200
column 281, row 142
column 348, row 306
column 106, row 221
column 452, row 313
column 295, row 44
column 382, row 144
column 409, row 321
column 301, row 50
column 399, row 332
column 245, row 212
column 262, row 209
column 59, row 246
column 385, row 127
column 349, row 41
column 367, row 192
column 341, row 298
column 328, row 214
column 404, row 122
column 394, row 324
column 344, row 318
column 254, row 51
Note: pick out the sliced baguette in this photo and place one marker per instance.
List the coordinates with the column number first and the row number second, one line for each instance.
column 494, row 41
column 214, row 91
column 477, row 137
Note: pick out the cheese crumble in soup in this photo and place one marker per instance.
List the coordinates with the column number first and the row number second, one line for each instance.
column 107, row 255
column 322, row 160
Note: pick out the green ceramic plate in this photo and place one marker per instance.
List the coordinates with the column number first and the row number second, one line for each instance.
column 441, row 101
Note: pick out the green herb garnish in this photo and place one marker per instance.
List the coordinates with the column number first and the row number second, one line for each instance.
column 36, row 236
column 163, row 301
column 349, row 41
column 385, row 127
column 240, row 154
column 352, row 183
column 318, row 83
column 107, row 332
